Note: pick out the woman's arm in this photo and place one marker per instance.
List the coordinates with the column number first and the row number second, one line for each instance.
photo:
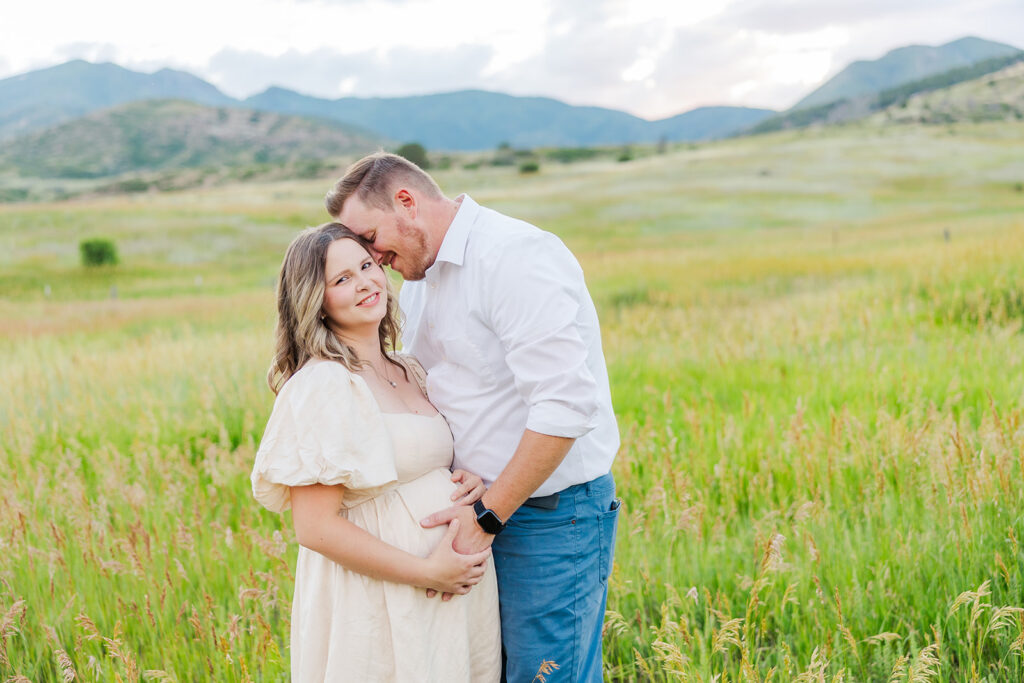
column 319, row 527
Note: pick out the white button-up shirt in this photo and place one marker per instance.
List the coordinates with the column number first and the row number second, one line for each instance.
column 508, row 334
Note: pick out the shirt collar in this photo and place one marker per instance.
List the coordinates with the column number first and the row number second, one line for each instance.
column 453, row 246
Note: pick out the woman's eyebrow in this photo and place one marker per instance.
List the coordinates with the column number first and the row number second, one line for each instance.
column 339, row 274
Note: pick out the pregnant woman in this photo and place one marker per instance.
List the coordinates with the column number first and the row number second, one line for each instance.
column 360, row 455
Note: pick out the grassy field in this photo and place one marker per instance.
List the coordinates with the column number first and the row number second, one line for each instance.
column 815, row 344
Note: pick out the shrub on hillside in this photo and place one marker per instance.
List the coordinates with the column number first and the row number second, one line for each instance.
column 414, row 152
column 98, row 252
column 567, row 155
column 529, row 167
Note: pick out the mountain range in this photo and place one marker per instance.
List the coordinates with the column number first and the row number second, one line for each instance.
column 88, row 120
column 463, row 120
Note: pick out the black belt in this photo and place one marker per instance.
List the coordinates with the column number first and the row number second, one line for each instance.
column 543, row 502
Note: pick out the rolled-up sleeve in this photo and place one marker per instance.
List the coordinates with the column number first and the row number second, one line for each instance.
column 533, row 306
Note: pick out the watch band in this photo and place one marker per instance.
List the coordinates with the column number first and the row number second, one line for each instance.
column 487, row 519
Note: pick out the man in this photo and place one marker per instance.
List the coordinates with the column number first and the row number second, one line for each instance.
column 498, row 313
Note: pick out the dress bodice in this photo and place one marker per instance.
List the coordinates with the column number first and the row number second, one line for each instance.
column 420, row 443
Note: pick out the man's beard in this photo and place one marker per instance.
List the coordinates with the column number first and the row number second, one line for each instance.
column 417, row 258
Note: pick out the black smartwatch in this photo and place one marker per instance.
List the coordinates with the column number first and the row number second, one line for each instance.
column 487, row 520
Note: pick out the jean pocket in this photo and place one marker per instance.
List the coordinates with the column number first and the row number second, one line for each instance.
column 609, row 523
column 539, row 518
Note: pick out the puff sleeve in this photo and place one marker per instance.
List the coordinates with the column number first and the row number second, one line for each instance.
column 325, row 428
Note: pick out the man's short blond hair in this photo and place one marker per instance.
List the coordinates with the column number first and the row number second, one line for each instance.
column 373, row 179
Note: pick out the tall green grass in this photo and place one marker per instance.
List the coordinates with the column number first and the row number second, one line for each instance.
column 821, row 399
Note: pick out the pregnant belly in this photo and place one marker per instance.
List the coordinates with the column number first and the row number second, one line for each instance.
column 395, row 516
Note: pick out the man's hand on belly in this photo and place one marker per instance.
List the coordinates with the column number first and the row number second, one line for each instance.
column 470, row 538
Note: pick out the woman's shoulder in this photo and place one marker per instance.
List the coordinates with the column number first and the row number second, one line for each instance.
column 409, row 361
column 318, row 375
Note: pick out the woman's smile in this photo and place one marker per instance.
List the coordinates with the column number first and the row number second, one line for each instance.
column 371, row 300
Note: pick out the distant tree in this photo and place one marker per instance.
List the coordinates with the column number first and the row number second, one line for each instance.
column 662, row 144
column 626, row 154
column 567, row 155
column 414, row 152
column 98, row 252
column 529, row 167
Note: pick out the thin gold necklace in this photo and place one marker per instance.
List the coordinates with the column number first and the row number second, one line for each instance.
column 386, row 377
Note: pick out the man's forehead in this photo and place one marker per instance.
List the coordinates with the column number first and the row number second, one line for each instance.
column 357, row 211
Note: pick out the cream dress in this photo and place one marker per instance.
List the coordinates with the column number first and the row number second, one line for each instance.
column 327, row 428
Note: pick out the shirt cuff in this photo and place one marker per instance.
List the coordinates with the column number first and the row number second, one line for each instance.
column 557, row 419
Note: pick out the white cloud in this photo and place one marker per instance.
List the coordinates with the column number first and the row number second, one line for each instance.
column 650, row 57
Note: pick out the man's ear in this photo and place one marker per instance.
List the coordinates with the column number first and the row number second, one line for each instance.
column 407, row 201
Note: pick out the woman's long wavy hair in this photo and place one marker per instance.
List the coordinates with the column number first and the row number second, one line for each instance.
column 301, row 333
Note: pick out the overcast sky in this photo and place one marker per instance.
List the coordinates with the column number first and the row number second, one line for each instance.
column 653, row 58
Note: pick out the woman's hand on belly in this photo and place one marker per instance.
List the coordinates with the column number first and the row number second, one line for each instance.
column 448, row 571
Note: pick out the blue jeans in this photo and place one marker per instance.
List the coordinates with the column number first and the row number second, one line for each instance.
column 553, row 568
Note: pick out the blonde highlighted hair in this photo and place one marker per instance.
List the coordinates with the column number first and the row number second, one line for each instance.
column 302, row 334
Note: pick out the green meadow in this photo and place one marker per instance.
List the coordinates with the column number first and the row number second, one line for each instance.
column 815, row 345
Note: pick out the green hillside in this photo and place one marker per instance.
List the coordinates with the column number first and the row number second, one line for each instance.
column 903, row 65
column 852, row 109
column 43, row 98
column 994, row 97
column 169, row 134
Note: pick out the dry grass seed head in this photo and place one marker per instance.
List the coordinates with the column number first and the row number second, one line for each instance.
column 671, row 657
column 899, row 669
column 67, row 668
column 926, row 666
column 815, row 672
column 884, row 637
column 546, row 668
column 727, row 635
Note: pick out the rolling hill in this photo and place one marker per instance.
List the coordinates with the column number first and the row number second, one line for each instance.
column 903, row 65
column 44, row 98
column 854, row 108
column 995, row 97
column 171, row 134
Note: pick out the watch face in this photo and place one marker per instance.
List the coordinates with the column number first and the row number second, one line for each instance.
column 487, row 520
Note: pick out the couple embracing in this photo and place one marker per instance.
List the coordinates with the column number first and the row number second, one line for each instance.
column 489, row 437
